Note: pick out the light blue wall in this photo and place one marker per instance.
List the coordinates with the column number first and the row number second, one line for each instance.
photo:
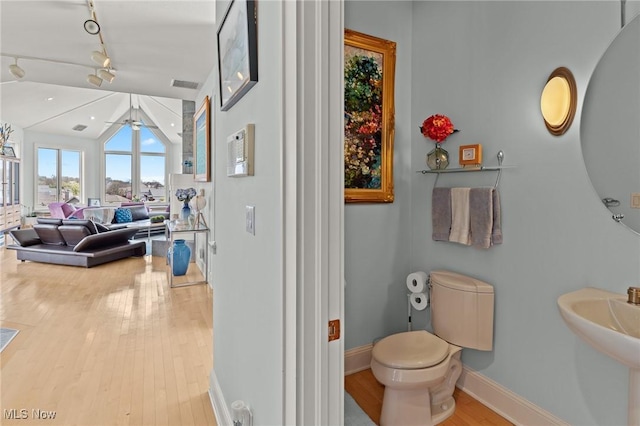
column 484, row 64
column 247, row 270
column 377, row 239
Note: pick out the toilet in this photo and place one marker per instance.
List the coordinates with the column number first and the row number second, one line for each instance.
column 418, row 369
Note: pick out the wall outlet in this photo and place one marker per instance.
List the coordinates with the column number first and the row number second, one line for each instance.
column 635, row 200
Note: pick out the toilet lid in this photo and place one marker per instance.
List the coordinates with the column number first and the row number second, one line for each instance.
column 410, row 350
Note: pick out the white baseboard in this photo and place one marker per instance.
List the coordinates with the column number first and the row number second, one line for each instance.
column 220, row 408
column 508, row 404
column 357, row 359
column 495, row 396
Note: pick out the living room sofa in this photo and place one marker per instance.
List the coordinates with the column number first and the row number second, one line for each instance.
column 74, row 242
column 139, row 216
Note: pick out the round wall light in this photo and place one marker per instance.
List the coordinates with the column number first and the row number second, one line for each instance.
column 559, row 100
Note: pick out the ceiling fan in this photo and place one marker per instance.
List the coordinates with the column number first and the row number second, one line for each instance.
column 134, row 124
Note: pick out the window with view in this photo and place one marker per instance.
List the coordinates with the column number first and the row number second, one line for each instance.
column 135, row 166
column 59, row 176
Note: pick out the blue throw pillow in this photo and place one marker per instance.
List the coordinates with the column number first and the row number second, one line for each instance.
column 123, row 216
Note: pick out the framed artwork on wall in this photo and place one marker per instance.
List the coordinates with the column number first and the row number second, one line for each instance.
column 369, row 114
column 202, row 143
column 237, row 52
column 8, row 151
column 470, row 155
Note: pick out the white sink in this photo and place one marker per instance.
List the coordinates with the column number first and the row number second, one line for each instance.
column 611, row 325
column 606, row 321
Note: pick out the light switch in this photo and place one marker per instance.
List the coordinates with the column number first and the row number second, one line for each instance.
column 251, row 218
column 635, row 200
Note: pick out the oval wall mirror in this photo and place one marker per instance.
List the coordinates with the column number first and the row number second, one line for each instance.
column 558, row 101
column 610, row 127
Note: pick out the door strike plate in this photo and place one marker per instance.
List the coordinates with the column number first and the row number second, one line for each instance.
column 334, row 329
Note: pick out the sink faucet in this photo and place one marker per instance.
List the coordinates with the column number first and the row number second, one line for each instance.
column 634, row 295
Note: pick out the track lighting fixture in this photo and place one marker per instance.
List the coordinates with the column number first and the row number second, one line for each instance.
column 94, row 80
column 106, row 75
column 100, row 59
column 16, row 71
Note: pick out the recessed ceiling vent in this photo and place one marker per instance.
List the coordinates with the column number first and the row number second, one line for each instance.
column 79, row 127
column 184, row 84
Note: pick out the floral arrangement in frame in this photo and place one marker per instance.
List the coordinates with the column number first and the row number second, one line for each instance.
column 369, row 117
column 237, row 52
column 202, row 143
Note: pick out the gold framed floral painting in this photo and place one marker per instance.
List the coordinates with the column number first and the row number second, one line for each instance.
column 369, row 78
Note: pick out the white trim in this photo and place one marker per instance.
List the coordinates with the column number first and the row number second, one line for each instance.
column 357, row 359
column 220, row 408
column 508, row 404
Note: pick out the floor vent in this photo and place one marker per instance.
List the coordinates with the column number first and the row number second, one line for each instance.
column 79, row 127
column 184, row 84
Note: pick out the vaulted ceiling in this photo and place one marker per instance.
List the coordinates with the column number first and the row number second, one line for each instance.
column 151, row 43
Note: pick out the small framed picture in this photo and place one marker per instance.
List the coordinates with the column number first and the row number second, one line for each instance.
column 470, row 155
column 8, row 151
column 93, row 202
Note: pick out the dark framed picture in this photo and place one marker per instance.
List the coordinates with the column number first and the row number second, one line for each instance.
column 8, row 151
column 202, row 143
column 237, row 52
column 93, row 202
column 369, row 111
column 470, row 155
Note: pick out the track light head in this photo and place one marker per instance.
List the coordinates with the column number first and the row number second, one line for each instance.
column 16, row 71
column 100, row 59
column 91, row 26
column 94, row 80
column 106, row 75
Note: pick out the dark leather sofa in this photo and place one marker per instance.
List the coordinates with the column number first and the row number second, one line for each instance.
column 140, row 215
column 74, row 242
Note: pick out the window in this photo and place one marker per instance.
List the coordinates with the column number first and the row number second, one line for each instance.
column 135, row 166
column 59, row 176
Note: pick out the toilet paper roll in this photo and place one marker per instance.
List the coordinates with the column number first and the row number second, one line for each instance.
column 417, row 281
column 419, row 301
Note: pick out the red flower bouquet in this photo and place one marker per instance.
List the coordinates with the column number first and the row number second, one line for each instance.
column 437, row 127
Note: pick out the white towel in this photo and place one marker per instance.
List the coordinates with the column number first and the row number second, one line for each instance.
column 460, row 216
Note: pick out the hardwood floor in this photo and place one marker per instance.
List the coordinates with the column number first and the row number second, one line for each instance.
column 367, row 392
column 109, row 345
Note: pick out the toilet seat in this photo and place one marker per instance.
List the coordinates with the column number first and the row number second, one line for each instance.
column 410, row 350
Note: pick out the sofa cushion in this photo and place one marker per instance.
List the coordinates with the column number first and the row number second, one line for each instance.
column 67, row 209
column 90, row 225
column 49, row 234
column 49, row 221
column 123, row 216
column 105, row 239
column 138, row 213
column 73, row 234
column 25, row 237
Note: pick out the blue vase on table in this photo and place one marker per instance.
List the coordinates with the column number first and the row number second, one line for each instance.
column 181, row 255
column 185, row 212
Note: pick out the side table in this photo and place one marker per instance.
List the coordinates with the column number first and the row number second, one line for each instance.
column 173, row 231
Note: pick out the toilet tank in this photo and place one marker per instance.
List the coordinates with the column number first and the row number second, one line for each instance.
column 462, row 310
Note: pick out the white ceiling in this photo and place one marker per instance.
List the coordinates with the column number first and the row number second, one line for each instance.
column 150, row 43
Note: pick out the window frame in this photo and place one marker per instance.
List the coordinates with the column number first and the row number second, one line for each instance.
column 36, row 173
column 136, row 153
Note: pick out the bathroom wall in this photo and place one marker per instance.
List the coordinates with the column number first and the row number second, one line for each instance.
column 377, row 239
column 484, row 64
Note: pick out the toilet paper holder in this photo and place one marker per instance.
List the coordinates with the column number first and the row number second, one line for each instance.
column 422, row 300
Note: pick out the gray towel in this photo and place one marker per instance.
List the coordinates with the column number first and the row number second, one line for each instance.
column 481, row 214
column 441, row 214
column 496, row 233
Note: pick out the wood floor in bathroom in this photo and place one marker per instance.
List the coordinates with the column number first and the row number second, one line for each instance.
column 367, row 392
